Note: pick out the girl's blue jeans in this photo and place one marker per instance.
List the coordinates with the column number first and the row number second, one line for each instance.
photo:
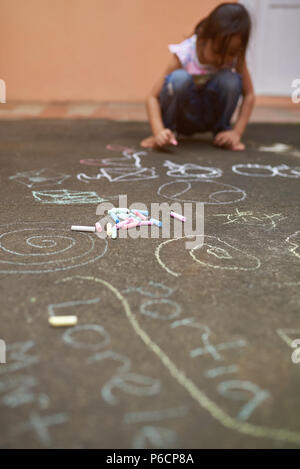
column 188, row 110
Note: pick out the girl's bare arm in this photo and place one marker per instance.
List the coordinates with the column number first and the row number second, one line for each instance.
column 248, row 101
column 152, row 102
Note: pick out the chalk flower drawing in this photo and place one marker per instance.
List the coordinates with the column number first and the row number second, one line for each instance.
column 39, row 177
column 260, row 170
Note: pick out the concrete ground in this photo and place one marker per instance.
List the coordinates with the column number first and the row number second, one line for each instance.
column 174, row 348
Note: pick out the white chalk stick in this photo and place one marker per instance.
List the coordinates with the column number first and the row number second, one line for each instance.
column 92, row 229
column 62, row 321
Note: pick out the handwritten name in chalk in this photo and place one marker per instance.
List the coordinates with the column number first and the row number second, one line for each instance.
column 178, row 216
column 63, row 321
column 91, row 229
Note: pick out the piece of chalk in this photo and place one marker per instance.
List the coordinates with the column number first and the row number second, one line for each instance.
column 140, row 215
column 123, row 216
column 145, row 222
column 98, row 227
column 178, row 216
column 62, row 321
column 130, row 225
column 119, row 209
column 144, row 212
column 114, row 232
column 114, row 217
column 108, row 229
column 174, row 141
column 121, row 223
column 156, row 222
column 92, row 229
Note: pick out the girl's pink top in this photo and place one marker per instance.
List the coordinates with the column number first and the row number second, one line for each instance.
column 187, row 54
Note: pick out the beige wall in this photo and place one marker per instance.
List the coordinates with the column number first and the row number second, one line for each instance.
column 90, row 50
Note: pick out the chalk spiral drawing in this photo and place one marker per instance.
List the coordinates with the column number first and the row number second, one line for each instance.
column 224, row 193
column 67, row 197
column 294, row 241
column 158, row 437
column 39, row 177
column 193, row 390
column 127, row 168
column 190, row 170
column 260, row 170
column 42, row 247
column 215, row 253
column 252, row 218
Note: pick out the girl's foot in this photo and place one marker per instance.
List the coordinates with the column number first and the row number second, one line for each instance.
column 148, row 142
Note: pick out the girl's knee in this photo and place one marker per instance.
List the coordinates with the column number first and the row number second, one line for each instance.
column 178, row 81
column 229, row 81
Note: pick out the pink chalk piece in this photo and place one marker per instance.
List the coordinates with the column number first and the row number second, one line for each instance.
column 174, row 141
column 179, row 217
column 98, row 227
column 130, row 225
column 124, row 222
column 140, row 215
column 145, row 222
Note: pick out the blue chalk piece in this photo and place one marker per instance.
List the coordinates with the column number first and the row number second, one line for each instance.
column 156, row 222
column 143, row 212
column 114, row 217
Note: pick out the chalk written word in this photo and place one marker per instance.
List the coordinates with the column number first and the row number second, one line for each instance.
column 39, row 177
column 296, row 92
column 2, row 351
column 2, row 92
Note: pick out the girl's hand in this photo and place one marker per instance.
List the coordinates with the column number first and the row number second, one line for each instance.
column 229, row 139
column 165, row 137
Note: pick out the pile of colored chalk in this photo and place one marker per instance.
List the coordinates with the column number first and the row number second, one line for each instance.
column 125, row 219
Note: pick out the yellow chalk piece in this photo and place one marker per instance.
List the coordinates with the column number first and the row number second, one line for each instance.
column 63, row 321
column 109, row 229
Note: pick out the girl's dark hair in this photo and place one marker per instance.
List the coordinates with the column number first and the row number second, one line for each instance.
column 225, row 21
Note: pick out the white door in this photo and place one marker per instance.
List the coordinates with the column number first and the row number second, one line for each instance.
column 274, row 60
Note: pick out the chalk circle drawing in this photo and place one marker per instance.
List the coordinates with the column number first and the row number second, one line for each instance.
column 119, row 169
column 294, row 241
column 205, row 191
column 180, row 376
column 162, row 290
column 68, row 337
column 252, row 218
column 260, row 170
column 149, row 308
column 68, row 197
column 41, row 247
column 39, row 177
column 214, row 253
column 190, row 170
